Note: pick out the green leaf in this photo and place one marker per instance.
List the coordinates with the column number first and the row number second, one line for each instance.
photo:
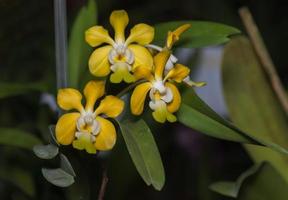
column 252, row 104
column 232, row 189
column 14, row 89
column 45, row 151
column 199, row 116
column 53, row 139
column 261, row 182
column 200, row 34
column 58, row 177
column 79, row 50
column 18, row 138
column 66, row 165
column 20, row 178
column 144, row 152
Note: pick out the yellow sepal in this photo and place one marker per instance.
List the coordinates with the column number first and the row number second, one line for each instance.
column 160, row 61
column 141, row 33
column 142, row 57
column 174, row 35
column 106, row 138
column 175, row 104
column 66, row 128
column 138, row 97
column 69, row 99
column 178, row 73
column 142, row 72
column 92, row 91
column 111, row 106
column 98, row 62
column 119, row 20
column 97, row 35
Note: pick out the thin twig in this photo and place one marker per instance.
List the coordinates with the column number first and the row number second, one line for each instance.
column 60, row 42
column 263, row 55
column 130, row 87
column 103, row 185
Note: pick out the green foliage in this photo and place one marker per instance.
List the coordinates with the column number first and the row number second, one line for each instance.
column 199, row 116
column 18, row 177
column 231, row 189
column 46, row 151
column 200, row 34
column 252, row 103
column 79, row 50
column 260, row 182
column 58, row 177
column 14, row 89
column 66, row 165
column 144, row 152
column 18, row 138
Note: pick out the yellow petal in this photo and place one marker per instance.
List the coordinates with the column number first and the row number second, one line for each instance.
column 142, row 72
column 84, row 142
column 161, row 114
column 141, row 33
column 66, row 128
column 97, row 35
column 69, row 98
column 138, row 97
column 175, row 104
column 111, row 106
column 121, row 72
column 106, row 138
column 98, row 62
column 174, row 35
column 92, row 91
column 160, row 61
column 178, row 73
column 119, row 20
column 142, row 57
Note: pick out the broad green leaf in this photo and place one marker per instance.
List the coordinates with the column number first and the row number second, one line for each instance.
column 20, row 178
column 200, row 34
column 144, row 152
column 79, row 50
column 58, row 177
column 261, row 182
column 231, row 189
column 252, row 104
column 48, row 151
column 18, row 138
column 14, row 89
column 66, row 165
column 197, row 115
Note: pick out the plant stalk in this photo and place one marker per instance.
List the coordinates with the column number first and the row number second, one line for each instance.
column 60, row 42
column 263, row 55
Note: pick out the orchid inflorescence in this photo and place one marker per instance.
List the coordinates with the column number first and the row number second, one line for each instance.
column 122, row 59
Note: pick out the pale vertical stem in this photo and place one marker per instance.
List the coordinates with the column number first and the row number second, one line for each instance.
column 263, row 55
column 60, row 42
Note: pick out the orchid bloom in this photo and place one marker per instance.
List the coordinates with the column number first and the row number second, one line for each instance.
column 164, row 96
column 121, row 56
column 172, row 38
column 87, row 128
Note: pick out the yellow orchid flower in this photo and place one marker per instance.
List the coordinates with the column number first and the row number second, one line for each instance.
column 172, row 38
column 164, row 96
column 121, row 56
column 87, row 128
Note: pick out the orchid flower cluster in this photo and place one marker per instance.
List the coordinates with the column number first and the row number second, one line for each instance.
column 127, row 60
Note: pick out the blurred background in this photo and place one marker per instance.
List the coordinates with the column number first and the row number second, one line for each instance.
column 192, row 161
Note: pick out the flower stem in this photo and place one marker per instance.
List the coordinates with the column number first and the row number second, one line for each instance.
column 130, row 87
column 263, row 55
